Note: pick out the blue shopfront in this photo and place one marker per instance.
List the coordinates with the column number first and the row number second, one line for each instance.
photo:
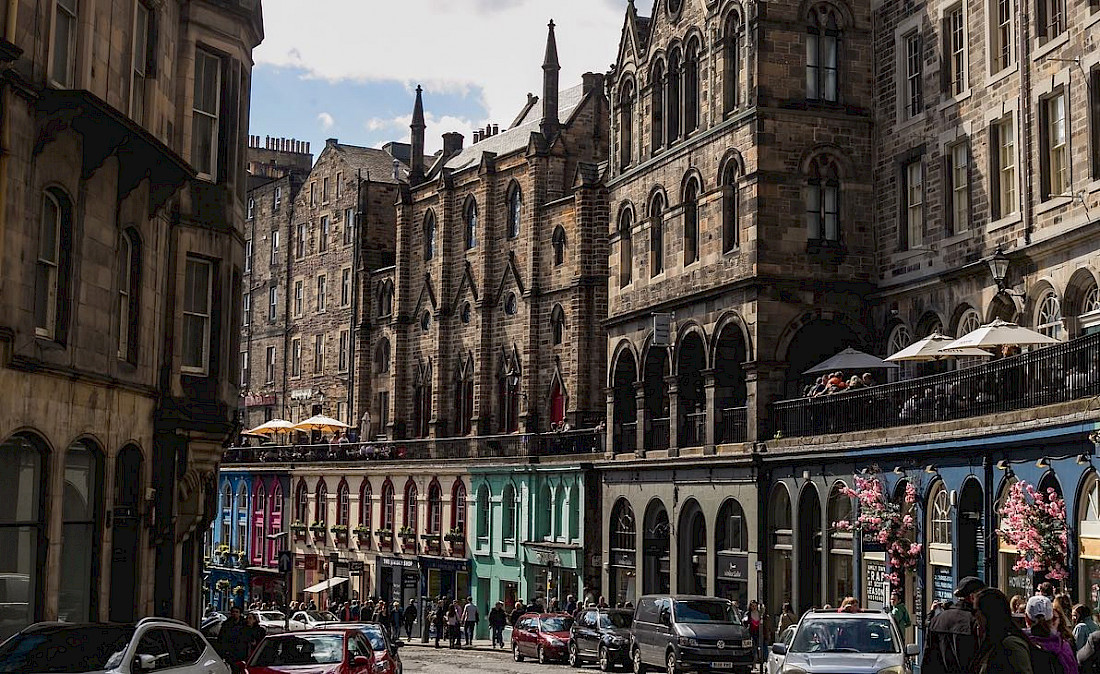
column 226, row 587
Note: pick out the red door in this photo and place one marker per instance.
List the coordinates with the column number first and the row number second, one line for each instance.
column 557, row 404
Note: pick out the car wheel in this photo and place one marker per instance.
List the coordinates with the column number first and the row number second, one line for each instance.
column 670, row 663
column 605, row 660
column 574, row 656
column 515, row 652
column 540, row 655
column 639, row 666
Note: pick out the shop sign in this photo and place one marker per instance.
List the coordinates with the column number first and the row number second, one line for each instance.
column 1019, row 582
column 442, row 564
column 918, row 604
column 397, row 563
column 410, row 581
column 356, row 567
column 943, row 584
column 259, row 401
column 733, row 567
column 300, row 563
column 301, row 394
column 311, row 562
column 622, row 558
column 877, row 584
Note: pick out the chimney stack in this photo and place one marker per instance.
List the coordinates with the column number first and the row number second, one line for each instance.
column 551, row 70
column 416, row 160
column 332, row 142
column 452, row 144
column 593, row 82
column 496, row 129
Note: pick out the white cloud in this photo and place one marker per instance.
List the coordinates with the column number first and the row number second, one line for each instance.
column 496, row 45
column 326, row 120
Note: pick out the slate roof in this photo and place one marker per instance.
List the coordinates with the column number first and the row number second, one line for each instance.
column 375, row 163
column 517, row 137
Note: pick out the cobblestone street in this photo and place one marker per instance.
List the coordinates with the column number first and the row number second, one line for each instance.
column 419, row 659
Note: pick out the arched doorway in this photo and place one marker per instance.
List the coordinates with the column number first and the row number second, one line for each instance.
column 1013, row 582
column 557, row 403
column 731, row 545
column 730, row 392
column 939, row 539
column 622, row 569
column 656, row 535
column 691, row 361
column 971, row 530
column 625, row 413
column 691, row 543
column 780, row 546
column 841, row 574
column 125, row 535
column 656, row 398
column 815, row 341
column 1088, row 568
column 23, row 468
column 809, row 549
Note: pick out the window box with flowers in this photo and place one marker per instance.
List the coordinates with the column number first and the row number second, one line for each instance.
column 361, row 532
column 384, row 534
column 298, row 529
column 340, row 531
column 455, row 536
column 432, row 542
column 318, row 528
column 222, row 585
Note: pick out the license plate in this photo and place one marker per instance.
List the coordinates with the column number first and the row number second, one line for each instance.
column 721, row 665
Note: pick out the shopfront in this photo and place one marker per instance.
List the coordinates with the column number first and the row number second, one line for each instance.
column 444, row 577
column 732, row 577
column 398, row 579
column 553, row 571
column 227, row 588
column 267, row 586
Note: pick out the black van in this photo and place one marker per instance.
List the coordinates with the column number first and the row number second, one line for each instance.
column 681, row 633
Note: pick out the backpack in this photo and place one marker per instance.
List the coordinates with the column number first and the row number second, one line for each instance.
column 1043, row 661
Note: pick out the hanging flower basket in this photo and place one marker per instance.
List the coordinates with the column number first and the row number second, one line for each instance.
column 383, row 534
column 340, row 530
column 318, row 528
column 881, row 521
column 455, row 536
column 222, row 585
column 1034, row 523
column 406, row 533
column 238, row 590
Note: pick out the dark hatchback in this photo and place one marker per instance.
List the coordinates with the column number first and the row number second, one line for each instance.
column 679, row 633
column 601, row 635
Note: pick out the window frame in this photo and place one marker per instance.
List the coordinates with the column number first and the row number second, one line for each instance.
column 52, row 266
column 913, row 60
column 207, row 317
column 515, row 212
column 429, row 234
column 693, row 238
column 957, row 214
column 129, row 296
column 1055, row 169
column 296, row 358
column 300, row 241
column 469, row 221
column 956, row 50
column 1002, row 35
column 270, row 359
column 274, row 247
column 626, row 247
column 1004, row 159
column 913, row 204
column 299, row 297
column 323, row 232
column 345, row 344
column 143, row 59
column 345, row 287
column 319, row 354
column 272, row 303
column 72, row 15
column 823, row 43
column 657, row 207
column 322, row 293
column 207, row 58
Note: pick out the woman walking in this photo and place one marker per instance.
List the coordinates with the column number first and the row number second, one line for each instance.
column 1002, row 645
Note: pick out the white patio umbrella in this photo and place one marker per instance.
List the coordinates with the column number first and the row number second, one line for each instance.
column 930, row 348
column 999, row 333
column 271, row 427
column 320, row 423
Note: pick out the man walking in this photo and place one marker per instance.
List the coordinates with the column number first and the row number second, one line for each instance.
column 952, row 640
column 497, row 619
column 409, row 618
column 233, row 637
column 469, row 620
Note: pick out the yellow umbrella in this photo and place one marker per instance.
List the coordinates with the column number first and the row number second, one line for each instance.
column 320, row 423
column 271, row 428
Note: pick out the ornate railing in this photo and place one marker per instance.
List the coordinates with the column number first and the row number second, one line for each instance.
column 694, row 432
column 1054, row 374
column 626, row 440
column 732, row 425
column 658, row 436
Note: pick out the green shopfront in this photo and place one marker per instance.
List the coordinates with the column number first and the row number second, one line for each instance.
column 530, row 537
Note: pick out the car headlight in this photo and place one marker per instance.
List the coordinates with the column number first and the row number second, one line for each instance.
column 554, row 641
column 616, row 640
column 893, row 669
column 687, row 641
column 793, row 670
column 746, row 643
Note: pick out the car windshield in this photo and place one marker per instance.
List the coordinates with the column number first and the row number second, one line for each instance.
column 301, row 649
column 622, row 620
column 374, row 635
column 556, row 624
column 705, row 611
column 272, row 615
column 321, row 616
column 64, row 649
column 821, row 634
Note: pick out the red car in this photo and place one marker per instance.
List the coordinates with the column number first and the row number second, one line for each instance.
column 387, row 660
column 543, row 636
column 323, row 651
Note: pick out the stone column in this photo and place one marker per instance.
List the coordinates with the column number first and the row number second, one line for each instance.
column 673, row 415
column 610, row 423
column 640, row 429
column 763, row 383
column 710, row 435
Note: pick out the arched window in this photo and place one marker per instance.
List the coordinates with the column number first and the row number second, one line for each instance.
column 343, row 504
column 900, row 337
column 841, row 574
column 365, row 503
column 301, row 503
column 626, row 124
column 691, row 86
column 80, row 533
column 622, row 567
column 458, row 506
column 385, row 299
column 382, row 356
column 515, row 211
column 129, row 295
column 657, row 234
column 672, row 96
column 388, row 513
column 320, row 507
column 483, row 515
column 429, row 235
column 626, row 247
column 732, row 88
column 259, row 523
column 657, row 94
column 435, row 508
column 422, row 401
column 823, row 201
column 731, row 207
column 508, row 513
column 1048, row 317
column 411, row 505
column 274, row 522
column 557, row 325
column 51, row 281
column 822, row 46
column 691, row 222
column 469, row 218
column 939, row 530
column 23, row 527
column 465, row 396
column 241, row 517
column 510, row 377
column 227, row 515
column 557, row 240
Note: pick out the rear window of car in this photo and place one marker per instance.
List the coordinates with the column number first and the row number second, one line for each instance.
column 374, row 636
column 620, row 620
column 64, row 650
column 299, row 650
column 272, row 616
column 557, row 624
column 845, row 635
column 705, row 611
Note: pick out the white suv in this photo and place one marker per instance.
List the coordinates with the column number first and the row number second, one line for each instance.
column 153, row 644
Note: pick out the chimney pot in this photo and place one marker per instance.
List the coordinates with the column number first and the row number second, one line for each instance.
column 332, row 141
column 452, row 143
column 496, row 129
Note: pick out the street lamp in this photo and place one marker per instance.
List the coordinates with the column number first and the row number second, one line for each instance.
column 998, row 266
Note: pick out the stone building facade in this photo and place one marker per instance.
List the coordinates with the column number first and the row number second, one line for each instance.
column 123, row 186
column 490, row 321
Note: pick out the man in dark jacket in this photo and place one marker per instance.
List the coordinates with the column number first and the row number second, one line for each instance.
column 952, row 640
column 409, row 617
column 1088, row 658
column 234, row 637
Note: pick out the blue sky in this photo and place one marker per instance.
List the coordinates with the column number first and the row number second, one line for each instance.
column 353, row 78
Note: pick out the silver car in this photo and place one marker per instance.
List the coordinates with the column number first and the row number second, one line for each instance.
column 854, row 643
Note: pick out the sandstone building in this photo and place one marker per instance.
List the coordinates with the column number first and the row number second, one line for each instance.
column 124, row 133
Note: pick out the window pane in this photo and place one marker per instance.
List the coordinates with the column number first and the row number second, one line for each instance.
column 47, row 241
column 202, row 145
column 197, row 290
column 64, row 30
column 194, row 341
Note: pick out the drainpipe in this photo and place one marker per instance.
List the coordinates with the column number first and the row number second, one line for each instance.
column 1027, row 114
column 353, row 413
column 5, row 137
column 990, row 523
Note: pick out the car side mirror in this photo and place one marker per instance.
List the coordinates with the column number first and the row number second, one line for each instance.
column 240, row 666
column 397, row 644
column 781, row 649
column 145, row 662
column 666, row 617
column 912, row 650
column 360, row 661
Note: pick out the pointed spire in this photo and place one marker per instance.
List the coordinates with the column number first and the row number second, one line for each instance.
column 551, row 70
column 416, row 160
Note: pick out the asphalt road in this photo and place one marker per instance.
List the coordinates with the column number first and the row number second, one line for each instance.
column 426, row 660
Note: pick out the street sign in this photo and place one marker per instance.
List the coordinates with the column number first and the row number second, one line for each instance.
column 286, row 561
column 662, row 329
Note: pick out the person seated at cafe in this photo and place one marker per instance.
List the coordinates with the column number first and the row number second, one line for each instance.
column 910, row 411
column 818, row 387
column 836, row 383
column 855, row 382
column 868, row 380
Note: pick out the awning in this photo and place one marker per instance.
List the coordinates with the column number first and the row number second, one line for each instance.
column 325, row 584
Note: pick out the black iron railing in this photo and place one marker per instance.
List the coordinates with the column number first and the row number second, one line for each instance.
column 658, row 436
column 1054, row 374
column 733, row 425
column 626, row 440
column 694, row 431
column 587, row 441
